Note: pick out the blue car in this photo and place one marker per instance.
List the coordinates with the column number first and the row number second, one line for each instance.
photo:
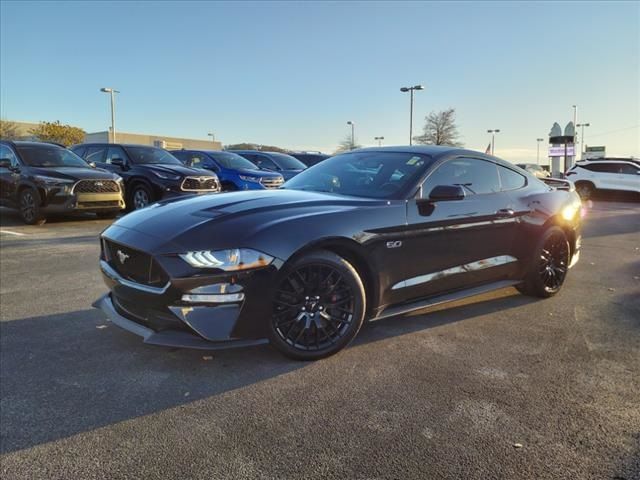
column 284, row 164
column 235, row 172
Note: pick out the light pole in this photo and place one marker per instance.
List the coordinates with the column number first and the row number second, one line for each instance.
column 353, row 137
column 111, row 91
column 582, row 147
column 411, row 89
column 379, row 139
column 213, row 137
column 493, row 139
column 538, row 154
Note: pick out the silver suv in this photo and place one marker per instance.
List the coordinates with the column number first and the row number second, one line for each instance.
column 605, row 174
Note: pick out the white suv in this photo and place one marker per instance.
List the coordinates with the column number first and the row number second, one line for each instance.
column 605, row 174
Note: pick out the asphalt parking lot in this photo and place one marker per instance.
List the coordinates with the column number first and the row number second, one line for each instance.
column 446, row 393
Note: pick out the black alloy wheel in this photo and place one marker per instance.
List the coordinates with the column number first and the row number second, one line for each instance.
column 550, row 264
column 30, row 207
column 318, row 307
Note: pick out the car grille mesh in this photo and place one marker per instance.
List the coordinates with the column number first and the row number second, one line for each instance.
column 197, row 184
column 134, row 265
column 272, row 182
column 96, row 186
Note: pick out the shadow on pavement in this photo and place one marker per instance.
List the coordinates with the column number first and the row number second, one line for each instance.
column 65, row 374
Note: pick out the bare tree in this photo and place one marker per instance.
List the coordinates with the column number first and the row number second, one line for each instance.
column 345, row 145
column 440, row 129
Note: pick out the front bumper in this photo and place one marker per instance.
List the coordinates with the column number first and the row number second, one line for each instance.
column 86, row 202
column 159, row 314
column 166, row 338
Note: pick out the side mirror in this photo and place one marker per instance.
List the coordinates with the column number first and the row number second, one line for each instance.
column 5, row 163
column 447, row 192
column 92, row 164
column 117, row 162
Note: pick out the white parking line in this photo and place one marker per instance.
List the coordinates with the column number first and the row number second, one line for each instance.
column 9, row 232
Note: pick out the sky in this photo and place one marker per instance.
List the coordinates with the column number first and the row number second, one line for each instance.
column 292, row 74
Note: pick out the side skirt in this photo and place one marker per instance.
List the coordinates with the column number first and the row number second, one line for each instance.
column 446, row 298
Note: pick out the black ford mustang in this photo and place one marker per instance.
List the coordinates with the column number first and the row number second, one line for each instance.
column 368, row 234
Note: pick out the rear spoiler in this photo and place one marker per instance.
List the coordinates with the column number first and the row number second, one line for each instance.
column 559, row 184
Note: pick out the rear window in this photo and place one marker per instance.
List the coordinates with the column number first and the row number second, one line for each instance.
column 510, row 180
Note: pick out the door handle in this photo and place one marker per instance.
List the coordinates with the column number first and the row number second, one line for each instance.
column 505, row 213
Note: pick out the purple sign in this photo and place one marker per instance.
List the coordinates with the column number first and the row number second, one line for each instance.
column 559, row 151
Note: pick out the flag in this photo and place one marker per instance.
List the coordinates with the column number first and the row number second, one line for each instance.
column 488, row 150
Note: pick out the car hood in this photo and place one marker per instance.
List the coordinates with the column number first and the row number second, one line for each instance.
column 181, row 170
column 224, row 220
column 73, row 173
column 258, row 173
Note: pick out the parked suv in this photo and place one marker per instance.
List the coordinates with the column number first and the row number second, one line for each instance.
column 284, row 164
column 233, row 171
column 534, row 169
column 605, row 174
column 149, row 173
column 309, row 158
column 41, row 178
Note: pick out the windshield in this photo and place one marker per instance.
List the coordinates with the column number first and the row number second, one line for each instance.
column 233, row 161
column 287, row 162
column 50, row 156
column 151, row 155
column 363, row 174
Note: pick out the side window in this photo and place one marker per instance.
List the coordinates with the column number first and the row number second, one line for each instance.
column 6, row 152
column 79, row 150
column 196, row 160
column 115, row 152
column 510, row 180
column 181, row 155
column 475, row 175
column 629, row 169
column 95, row 154
column 264, row 162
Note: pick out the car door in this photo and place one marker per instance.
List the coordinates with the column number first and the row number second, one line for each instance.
column 628, row 177
column 453, row 244
column 9, row 177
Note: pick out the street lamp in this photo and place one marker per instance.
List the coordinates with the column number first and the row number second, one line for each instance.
column 582, row 147
column 379, row 139
column 411, row 89
column 493, row 139
column 111, row 91
column 353, row 141
column 538, row 155
column 213, row 137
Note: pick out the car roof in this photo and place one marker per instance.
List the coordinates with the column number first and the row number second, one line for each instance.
column 33, row 144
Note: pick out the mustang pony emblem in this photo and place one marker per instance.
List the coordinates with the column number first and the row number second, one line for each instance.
column 122, row 256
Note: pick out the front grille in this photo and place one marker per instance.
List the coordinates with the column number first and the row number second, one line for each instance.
column 198, row 184
column 153, row 318
column 96, row 186
column 272, row 182
column 134, row 265
column 105, row 204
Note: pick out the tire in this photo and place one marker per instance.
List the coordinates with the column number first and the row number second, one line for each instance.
column 549, row 265
column 107, row 215
column 318, row 306
column 30, row 207
column 585, row 190
column 139, row 197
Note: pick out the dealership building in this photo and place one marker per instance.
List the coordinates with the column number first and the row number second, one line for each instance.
column 23, row 131
column 162, row 141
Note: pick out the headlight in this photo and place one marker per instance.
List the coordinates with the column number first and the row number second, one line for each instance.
column 249, row 179
column 228, row 260
column 53, row 181
column 165, row 176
